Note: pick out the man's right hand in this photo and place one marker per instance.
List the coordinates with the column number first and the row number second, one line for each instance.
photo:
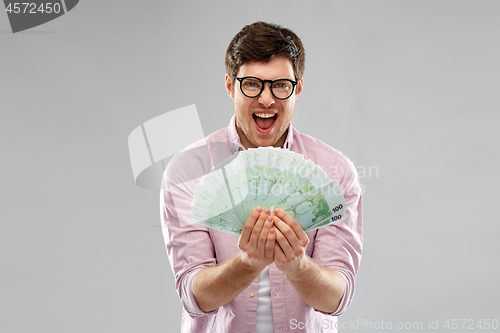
column 216, row 285
column 257, row 239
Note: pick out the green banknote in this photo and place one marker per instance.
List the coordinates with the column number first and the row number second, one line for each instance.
column 270, row 178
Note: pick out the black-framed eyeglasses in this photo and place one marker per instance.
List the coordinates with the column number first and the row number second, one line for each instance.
column 253, row 86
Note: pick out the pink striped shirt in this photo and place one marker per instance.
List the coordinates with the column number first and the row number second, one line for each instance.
column 192, row 247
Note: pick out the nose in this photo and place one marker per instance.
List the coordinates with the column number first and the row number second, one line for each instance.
column 266, row 98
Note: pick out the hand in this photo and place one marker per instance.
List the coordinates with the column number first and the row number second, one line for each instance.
column 257, row 239
column 291, row 243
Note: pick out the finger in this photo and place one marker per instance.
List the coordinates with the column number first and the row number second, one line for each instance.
column 261, row 244
column 284, row 244
column 255, row 233
column 248, row 226
column 292, row 223
column 270, row 244
column 289, row 234
column 279, row 256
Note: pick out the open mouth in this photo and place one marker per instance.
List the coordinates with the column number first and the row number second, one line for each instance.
column 264, row 121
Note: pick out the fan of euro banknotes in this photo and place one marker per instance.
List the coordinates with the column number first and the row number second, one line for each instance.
column 270, row 178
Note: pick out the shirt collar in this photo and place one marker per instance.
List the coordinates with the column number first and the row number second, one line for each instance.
column 234, row 137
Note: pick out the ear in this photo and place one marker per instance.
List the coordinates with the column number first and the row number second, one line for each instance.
column 229, row 86
column 300, row 86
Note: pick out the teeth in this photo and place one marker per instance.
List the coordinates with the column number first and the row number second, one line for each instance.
column 264, row 115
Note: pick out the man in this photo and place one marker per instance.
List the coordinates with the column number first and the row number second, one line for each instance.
column 274, row 277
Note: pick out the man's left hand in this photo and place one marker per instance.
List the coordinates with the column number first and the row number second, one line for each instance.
column 320, row 287
column 291, row 243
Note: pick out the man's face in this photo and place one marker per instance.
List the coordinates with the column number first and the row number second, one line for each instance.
column 253, row 124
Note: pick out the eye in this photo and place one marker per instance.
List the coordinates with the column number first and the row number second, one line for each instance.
column 251, row 84
column 282, row 85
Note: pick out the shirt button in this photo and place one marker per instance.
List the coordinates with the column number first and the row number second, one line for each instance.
column 252, row 294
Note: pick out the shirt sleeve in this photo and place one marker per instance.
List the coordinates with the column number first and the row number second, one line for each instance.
column 339, row 245
column 189, row 246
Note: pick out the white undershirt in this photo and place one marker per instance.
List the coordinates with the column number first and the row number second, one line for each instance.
column 264, row 322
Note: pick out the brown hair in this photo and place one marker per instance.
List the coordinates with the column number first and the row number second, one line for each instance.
column 261, row 41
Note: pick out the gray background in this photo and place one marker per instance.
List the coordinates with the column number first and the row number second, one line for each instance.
column 409, row 88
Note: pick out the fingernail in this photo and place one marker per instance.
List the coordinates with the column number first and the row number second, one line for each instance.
column 276, row 210
column 266, row 211
column 271, row 231
column 258, row 209
column 270, row 218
